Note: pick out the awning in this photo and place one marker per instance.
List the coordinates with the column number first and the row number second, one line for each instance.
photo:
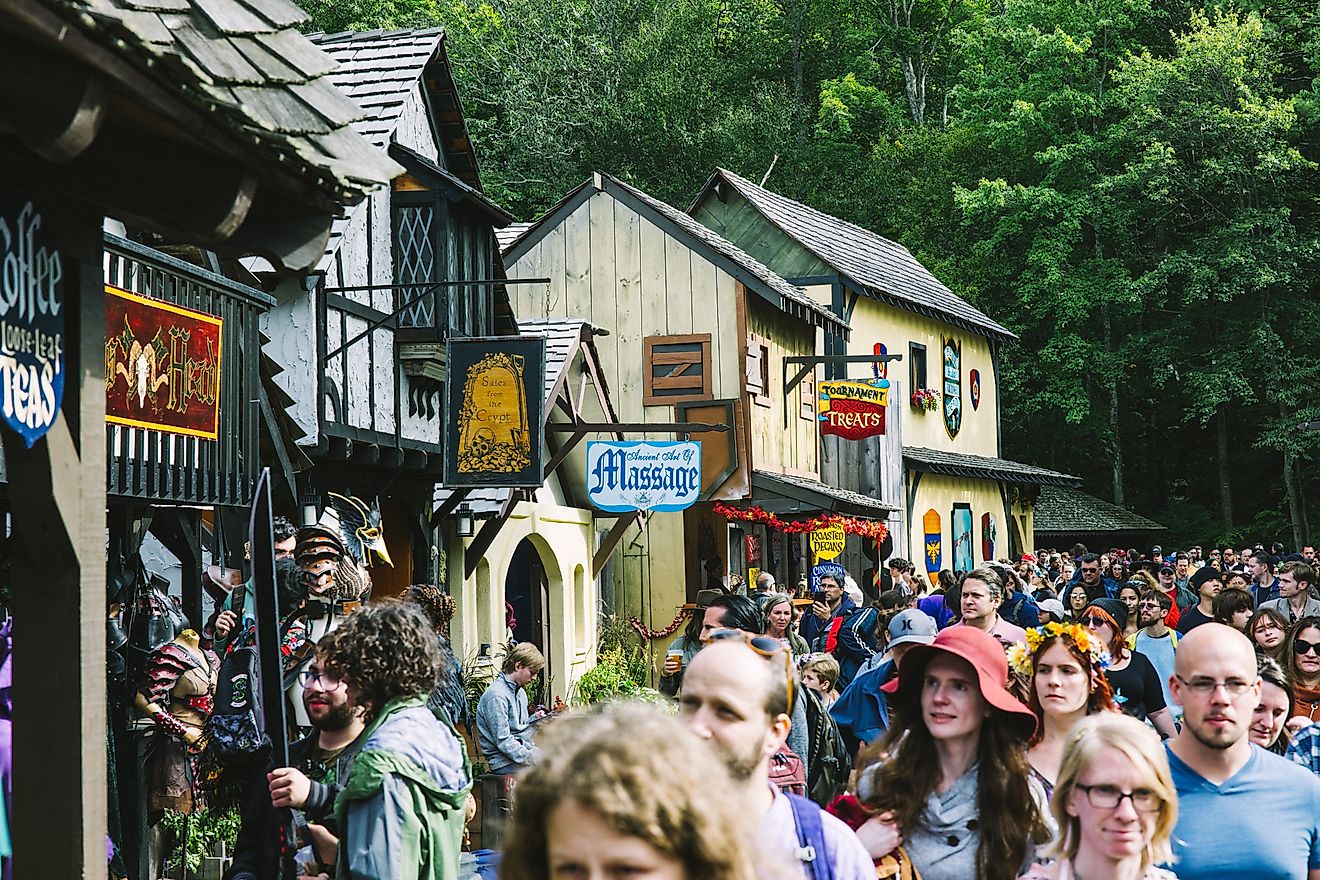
column 981, row 467
column 785, row 495
column 1064, row 511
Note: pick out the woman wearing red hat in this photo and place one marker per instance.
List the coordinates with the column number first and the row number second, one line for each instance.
column 950, row 782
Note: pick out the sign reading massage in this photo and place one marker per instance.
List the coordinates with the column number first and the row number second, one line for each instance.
column 496, row 389
column 162, row 366
column 31, row 323
column 644, row 474
column 852, row 410
column 952, row 386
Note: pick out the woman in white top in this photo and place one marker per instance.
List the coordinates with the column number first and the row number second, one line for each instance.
column 1115, row 804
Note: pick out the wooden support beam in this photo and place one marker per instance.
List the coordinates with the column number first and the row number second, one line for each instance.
column 562, row 453
column 611, row 540
column 450, row 504
column 58, row 503
column 490, row 529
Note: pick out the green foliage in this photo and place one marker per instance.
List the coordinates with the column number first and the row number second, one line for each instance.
column 622, row 668
column 196, row 834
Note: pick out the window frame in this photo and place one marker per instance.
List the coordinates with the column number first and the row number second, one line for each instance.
column 913, row 383
column 650, row 343
column 760, row 391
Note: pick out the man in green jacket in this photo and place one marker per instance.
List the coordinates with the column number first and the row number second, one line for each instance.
column 400, row 811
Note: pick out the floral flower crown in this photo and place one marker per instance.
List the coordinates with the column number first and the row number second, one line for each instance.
column 1020, row 655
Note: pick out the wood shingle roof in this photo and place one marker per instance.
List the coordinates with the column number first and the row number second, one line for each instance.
column 1068, row 511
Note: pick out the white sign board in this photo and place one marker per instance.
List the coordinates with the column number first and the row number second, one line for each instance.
column 643, row 474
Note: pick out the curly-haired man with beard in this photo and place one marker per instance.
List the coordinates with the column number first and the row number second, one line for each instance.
column 401, row 810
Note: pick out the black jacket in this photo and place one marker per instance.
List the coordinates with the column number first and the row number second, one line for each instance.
column 257, row 851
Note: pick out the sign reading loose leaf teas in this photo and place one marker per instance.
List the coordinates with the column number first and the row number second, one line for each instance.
column 496, row 391
column 162, row 365
column 31, row 322
column 643, row 475
column 852, row 410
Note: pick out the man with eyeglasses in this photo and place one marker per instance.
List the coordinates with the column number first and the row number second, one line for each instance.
column 318, row 765
column 738, row 695
column 1243, row 812
column 1098, row 584
column 1156, row 640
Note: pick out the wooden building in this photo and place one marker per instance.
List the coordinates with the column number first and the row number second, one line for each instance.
column 209, row 124
column 698, row 331
column 960, row 502
column 1066, row 516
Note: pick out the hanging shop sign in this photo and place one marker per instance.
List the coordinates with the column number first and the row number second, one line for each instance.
column 496, row 392
column 662, row 475
column 934, row 541
column 826, row 569
column 974, row 388
column 960, row 521
column 31, row 322
column 852, row 410
column 989, row 534
column 162, row 366
column 952, row 360
column 753, row 552
column 828, row 542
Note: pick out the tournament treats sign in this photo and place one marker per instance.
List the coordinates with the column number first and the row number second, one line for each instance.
column 31, row 323
column 643, row 475
column 852, row 410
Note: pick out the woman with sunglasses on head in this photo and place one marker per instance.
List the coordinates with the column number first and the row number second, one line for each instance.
column 1115, row 804
column 1269, row 728
column 1075, row 598
column 1268, row 630
column 1302, row 661
column 1064, row 667
column 1132, row 677
column 950, row 781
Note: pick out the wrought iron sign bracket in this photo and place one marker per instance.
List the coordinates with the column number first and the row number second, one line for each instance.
column 809, row 362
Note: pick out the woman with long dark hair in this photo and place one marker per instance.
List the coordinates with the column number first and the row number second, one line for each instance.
column 1269, row 722
column 950, row 781
column 1075, row 598
column 1301, row 654
column 1268, row 631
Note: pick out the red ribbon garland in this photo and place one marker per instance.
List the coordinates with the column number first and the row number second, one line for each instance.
column 636, row 623
column 867, row 528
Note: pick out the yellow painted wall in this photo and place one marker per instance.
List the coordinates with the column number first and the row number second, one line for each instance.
column 565, row 540
column 873, row 321
column 941, row 493
column 774, row 448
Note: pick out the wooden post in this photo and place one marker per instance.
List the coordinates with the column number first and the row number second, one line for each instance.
column 57, row 494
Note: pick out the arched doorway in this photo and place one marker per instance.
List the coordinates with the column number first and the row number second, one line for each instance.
column 527, row 590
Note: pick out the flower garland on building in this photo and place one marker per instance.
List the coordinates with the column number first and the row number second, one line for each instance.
column 877, row 531
column 636, row 623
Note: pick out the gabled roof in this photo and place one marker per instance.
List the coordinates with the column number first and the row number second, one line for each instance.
column 982, row 467
column 751, row 272
column 1063, row 510
column 882, row 268
column 804, row 495
column 245, row 65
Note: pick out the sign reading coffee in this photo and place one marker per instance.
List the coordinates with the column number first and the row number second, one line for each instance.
column 496, row 388
column 852, row 410
column 31, row 323
column 660, row 475
column 162, row 366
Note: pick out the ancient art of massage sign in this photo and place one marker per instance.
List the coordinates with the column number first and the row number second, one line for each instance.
column 31, row 322
column 643, row 475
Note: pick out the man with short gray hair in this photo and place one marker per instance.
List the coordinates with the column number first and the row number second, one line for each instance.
column 982, row 593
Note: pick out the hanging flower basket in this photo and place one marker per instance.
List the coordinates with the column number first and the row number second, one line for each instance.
column 925, row 400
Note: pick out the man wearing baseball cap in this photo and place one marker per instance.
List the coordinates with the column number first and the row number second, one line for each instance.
column 861, row 711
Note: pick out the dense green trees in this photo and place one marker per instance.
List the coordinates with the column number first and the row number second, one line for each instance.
column 1129, row 184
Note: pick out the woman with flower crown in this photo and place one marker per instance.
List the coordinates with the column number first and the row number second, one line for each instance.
column 1063, row 666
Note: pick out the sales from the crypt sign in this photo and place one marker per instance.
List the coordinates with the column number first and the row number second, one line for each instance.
column 852, row 410
column 162, row 366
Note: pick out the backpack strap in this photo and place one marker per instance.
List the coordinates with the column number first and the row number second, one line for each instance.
column 812, row 851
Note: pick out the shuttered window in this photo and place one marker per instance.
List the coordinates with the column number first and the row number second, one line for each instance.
column 676, row 369
column 758, row 369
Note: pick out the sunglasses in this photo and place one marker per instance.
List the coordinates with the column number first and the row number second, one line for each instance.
column 1094, row 620
column 766, row 647
column 1302, row 647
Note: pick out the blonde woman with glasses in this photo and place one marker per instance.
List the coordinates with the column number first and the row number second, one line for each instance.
column 1115, row 804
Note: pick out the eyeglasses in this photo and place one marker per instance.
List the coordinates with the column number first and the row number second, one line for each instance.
column 1302, row 647
column 1094, row 620
column 766, row 647
column 1108, row 797
column 326, row 681
column 1090, row 568
column 1234, row 687
column 1148, row 603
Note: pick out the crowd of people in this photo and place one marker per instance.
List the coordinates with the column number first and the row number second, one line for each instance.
column 1000, row 723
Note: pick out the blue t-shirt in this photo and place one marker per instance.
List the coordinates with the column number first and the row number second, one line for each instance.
column 1263, row 823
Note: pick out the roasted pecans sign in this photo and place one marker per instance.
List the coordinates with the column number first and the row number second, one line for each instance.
column 31, row 322
column 162, row 366
column 496, row 387
column 852, row 410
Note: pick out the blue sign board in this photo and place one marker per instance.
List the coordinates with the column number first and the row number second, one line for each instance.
column 643, row 474
column 31, row 322
column 826, row 569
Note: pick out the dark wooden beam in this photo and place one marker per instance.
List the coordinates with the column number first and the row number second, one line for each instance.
column 450, row 504
column 611, row 540
column 562, row 453
column 63, row 105
column 489, row 530
column 633, row 427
